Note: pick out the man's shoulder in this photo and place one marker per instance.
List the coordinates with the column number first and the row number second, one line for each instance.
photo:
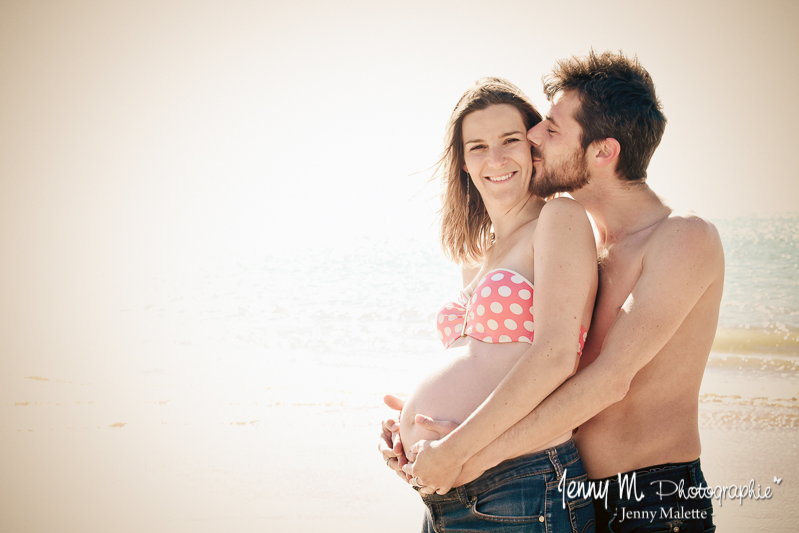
column 688, row 219
column 686, row 237
column 687, row 228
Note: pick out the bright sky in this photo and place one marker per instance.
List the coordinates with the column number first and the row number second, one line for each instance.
column 183, row 127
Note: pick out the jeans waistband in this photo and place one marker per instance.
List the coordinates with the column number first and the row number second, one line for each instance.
column 665, row 469
column 556, row 459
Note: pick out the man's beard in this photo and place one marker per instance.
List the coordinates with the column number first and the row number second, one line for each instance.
column 566, row 175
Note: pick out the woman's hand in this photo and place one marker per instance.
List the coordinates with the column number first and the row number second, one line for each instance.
column 435, row 470
column 470, row 471
column 390, row 444
column 443, row 428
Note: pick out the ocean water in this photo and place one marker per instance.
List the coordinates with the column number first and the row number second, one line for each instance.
column 334, row 327
column 760, row 307
column 339, row 326
column 752, row 377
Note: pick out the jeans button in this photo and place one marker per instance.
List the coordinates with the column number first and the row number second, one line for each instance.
column 540, row 518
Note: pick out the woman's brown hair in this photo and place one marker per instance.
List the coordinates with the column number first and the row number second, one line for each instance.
column 465, row 226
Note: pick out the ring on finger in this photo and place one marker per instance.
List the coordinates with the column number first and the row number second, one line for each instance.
column 388, row 461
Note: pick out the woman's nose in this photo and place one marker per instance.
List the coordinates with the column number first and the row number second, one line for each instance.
column 496, row 157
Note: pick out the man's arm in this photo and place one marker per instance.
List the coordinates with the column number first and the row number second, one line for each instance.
column 683, row 261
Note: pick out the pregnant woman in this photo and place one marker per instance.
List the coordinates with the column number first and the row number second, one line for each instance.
column 515, row 331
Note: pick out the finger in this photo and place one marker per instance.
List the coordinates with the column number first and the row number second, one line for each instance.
column 424, row 420
column 385, row 442
column 427, row 490
column 408, row 469
column 390, row 425
column 393, row 402
column 393, row 464
column 428, row 423
column 418, row 446
column 402, row 460
column 386, row 448
column 415, row 450
column 391, row 441
column 405, row 477
column 442, row 427
column 396, row 442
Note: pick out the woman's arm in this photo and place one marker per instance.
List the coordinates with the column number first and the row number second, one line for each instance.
column 565, row 286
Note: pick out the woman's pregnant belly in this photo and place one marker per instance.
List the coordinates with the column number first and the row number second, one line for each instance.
column 454, row 391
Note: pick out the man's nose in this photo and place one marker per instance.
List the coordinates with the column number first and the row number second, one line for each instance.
column 533, row 134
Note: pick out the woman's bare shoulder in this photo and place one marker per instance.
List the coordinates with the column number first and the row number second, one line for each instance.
column 564, row 214
column 563, row 206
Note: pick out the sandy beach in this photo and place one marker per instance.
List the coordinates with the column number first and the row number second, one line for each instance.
column 171, row 458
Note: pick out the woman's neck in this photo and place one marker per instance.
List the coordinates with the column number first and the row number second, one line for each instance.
column 506, row 221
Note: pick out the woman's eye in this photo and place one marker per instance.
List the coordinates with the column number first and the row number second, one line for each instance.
column 476, row 147
column 551, row 131
column 511, row 140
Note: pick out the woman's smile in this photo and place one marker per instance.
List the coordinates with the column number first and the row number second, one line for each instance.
column 503, row 177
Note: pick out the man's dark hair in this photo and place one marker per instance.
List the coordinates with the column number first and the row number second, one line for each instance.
column 618, row 100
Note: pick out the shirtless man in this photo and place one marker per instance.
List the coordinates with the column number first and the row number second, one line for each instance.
column 635, row 394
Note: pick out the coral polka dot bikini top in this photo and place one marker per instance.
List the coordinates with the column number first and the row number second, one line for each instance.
column 499, row 310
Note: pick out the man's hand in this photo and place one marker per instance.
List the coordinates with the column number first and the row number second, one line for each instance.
column 471, row 471
column 390, row 445
column 442, row 427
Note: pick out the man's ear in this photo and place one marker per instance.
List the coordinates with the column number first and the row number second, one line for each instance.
column 606, row 151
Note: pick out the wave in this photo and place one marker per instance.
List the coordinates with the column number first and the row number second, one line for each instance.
column 773, row 363
column 752, row 341
column 748, row 413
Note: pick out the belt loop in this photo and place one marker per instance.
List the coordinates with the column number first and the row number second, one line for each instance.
column 692, row 473
column 553, row 458
column 463, row 496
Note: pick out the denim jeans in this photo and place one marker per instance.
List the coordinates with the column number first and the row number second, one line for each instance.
column 663, row 508
column 518, row 495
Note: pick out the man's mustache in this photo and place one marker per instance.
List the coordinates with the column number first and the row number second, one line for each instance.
column 536, row 152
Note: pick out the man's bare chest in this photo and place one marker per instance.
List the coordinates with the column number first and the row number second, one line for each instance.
column 618, row 274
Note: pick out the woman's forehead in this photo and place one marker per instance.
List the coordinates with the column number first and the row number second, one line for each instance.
column 497, row 119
